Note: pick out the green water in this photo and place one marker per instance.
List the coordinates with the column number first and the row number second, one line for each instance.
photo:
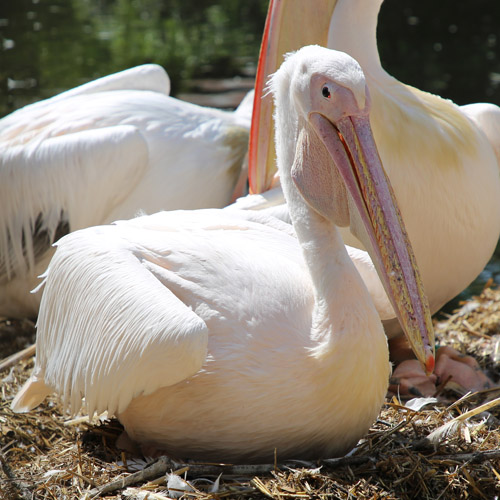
column 46, row 46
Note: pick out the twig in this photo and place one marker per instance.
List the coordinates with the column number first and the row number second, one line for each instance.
column 440, row 388
column 262, row 487
column 473, row 484
column 17, row 356
column 468, row 328
column 474, row 457
column 333, row 463
column 152, row 472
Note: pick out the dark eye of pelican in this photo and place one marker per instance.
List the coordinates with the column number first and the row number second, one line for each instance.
column 326, row 92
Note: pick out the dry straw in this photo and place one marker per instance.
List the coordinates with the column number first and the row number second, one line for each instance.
column 444, row 448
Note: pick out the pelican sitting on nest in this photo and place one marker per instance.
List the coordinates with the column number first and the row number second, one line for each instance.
column 101, row 152
column 442, row 160
column 213, row 334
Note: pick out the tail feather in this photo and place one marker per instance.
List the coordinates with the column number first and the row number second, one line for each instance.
column 33, row 392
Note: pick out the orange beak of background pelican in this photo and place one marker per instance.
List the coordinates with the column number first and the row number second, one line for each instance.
column 290, row 25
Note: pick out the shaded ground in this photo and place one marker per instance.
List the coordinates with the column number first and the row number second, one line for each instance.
column 43, row 456
column 15, row 335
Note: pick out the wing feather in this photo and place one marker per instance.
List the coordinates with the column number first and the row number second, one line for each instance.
column 150, row 77
column 107, row 346
column 64, row 180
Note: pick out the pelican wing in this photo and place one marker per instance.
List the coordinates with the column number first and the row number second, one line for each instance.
column 63, row 181
column 271, row 198
column 146, row 77
column 150, row 77
column 111, row 327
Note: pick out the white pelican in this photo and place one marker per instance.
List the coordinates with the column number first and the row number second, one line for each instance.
column 212, row 334
column 101, row 152
column 443, row 160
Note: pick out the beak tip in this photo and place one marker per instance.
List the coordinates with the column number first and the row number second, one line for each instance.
column 429, row 361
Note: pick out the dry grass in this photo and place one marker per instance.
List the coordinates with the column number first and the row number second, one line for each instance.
column 43, row 458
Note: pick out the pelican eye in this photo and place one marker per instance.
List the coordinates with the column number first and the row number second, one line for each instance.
column 326, row 92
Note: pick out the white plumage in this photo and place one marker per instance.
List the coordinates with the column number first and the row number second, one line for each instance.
column 213, row 334
column 101, row 152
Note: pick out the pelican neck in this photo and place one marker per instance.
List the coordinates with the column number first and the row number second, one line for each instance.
column 325, row 255
column 353, row 29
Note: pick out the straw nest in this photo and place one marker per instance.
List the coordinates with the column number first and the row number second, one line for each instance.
column 447, row 448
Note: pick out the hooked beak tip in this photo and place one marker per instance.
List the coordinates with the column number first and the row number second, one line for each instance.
column 429, row 361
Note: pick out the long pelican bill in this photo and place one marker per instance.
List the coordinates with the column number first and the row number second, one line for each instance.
column 351, row 145
column 290, row 25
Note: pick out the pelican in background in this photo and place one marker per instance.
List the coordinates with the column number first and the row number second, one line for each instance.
column 213, row 334
column 101, row 152
column 443, row 160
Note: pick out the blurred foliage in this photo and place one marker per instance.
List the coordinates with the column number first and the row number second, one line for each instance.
column 446, row 47
column 52, row 45
column 189, row 38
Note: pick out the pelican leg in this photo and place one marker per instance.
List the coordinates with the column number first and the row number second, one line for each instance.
column 409, row 379
column 461, row 371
